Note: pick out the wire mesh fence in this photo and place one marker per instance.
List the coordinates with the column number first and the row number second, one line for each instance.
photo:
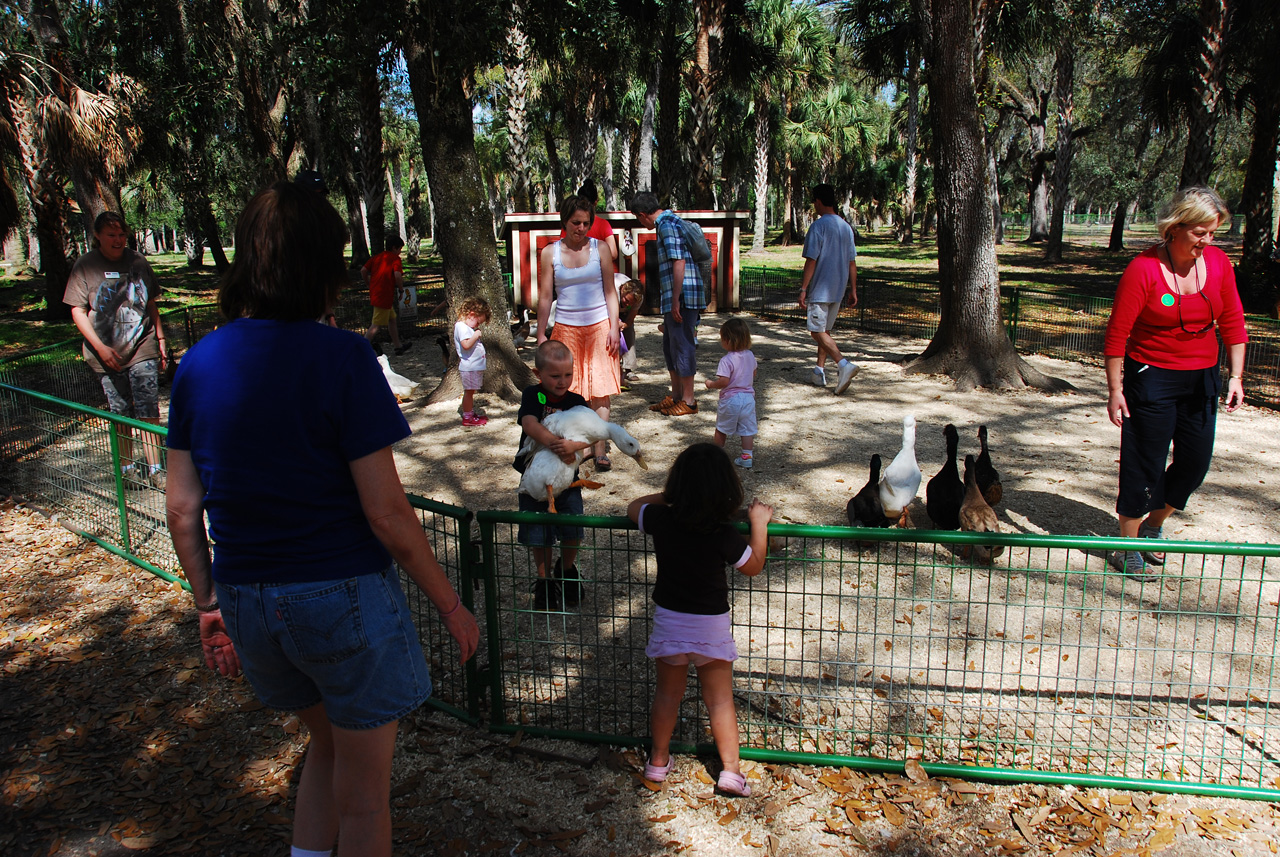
column 892, row 646
column 1065, row 326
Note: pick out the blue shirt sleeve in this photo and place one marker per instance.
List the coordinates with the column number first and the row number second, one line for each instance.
column 367, row 418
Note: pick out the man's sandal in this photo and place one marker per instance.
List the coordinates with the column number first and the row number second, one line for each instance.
column 665, row 403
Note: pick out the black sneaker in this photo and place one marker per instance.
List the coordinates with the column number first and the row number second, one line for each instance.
column 403, row 348
column 546, row 594
column 570, row 583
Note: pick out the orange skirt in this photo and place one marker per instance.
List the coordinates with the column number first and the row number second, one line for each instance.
column 595, row 370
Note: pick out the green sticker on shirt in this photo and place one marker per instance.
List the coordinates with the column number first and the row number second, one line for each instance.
column 542, row 398
column 1167, row 300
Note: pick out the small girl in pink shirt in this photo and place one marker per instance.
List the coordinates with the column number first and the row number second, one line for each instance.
column 735, row 379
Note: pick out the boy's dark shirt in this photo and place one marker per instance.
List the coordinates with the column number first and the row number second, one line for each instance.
column 537, row 402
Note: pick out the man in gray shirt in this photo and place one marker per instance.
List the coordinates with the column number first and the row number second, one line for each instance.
column 829, row 266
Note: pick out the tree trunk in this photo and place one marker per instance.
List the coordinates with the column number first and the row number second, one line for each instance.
column 911, row 155
column 43, row 187
column 1117, row 226
column 644, row 165
column 396, row 189
column 355, row 222
column 704, row 80
column 212, row 238
column 369, row 162
column 610, row 192
column 557, row 167
column 1064, row 89
column 464, row 232
column 1257, row 270
column 626, row 173
column 762, row 171
column 670, row 89
column 582, row 121
column 971, row 344
column 517, row 79
column 1205, row 108
column 416, row 224
column 788, row 201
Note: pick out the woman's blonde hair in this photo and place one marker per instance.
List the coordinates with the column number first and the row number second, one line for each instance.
column 1196, row 204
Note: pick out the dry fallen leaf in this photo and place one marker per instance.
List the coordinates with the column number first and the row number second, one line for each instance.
column 915, row 771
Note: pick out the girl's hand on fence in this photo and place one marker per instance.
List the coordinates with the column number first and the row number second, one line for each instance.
column 219, row 654
column 1117, row 407
column 461, row 625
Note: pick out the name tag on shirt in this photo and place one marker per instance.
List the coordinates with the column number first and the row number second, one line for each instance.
column 111, row 275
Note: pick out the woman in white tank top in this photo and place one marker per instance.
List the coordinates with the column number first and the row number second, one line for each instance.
column 575, row 272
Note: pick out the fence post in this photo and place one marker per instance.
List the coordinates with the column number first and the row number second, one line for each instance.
column 1013, row 313
column 472, row 569
column 122, row 508
column 497, row 710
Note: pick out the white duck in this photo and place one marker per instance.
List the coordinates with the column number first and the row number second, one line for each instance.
column 901, row 479
column 546, row 475
column 400, row 386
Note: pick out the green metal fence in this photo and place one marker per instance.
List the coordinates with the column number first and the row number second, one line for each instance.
column 1065, row 326
column 857, row 647
column 69, row 458
column 1048, row 665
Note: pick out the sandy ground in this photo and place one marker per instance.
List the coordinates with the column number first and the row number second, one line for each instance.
column 1056, row 453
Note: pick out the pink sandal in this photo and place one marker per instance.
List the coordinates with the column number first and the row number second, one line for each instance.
column 658, row 773
column 733, row 785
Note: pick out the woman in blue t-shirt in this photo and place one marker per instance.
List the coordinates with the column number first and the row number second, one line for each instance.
column 281, row 432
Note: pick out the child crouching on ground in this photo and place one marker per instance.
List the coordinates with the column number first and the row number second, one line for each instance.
column 735, row 379
column 553, row 364
column 693, row 542
column 630, row 300
column 471, row 360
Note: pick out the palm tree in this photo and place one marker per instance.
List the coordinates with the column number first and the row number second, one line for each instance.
column 886, row 38
column 795, row 47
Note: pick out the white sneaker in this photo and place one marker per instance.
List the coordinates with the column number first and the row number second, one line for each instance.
column 744, row 461
column 847, row 371
column 819, row 378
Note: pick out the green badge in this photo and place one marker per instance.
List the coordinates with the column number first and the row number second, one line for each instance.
column 1167, row 300
column 542, row 398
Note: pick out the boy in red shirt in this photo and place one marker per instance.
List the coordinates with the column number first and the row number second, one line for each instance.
column 384, row 275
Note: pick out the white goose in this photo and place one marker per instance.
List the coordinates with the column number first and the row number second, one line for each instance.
column 401, row 386
column 546, row 475
column 901, row 479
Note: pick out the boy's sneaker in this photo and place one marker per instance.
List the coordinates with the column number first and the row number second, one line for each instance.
column 847, row 371
column 474, row 420
column 546, row 594
column 570, row 583
column 819, row 378
column 744, row 460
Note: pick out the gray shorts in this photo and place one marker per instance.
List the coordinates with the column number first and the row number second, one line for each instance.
column 471, row 379
column 678, row 350
column 822, row 316
column 135, row 392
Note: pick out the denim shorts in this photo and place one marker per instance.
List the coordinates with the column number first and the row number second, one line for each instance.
column 349, row 643
column 545, row 535
column 678, row 348
column 135, row 392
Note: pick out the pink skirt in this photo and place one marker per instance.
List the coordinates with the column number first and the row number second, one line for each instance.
column 691, row 634
column 595, row 370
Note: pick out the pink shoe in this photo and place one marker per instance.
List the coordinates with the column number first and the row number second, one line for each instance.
column 658, row 773
column 733, row 785
column 473, row 420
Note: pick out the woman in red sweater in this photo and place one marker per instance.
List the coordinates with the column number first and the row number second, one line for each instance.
column 1163, row 380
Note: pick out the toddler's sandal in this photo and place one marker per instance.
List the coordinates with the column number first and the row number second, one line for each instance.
column 658, row 773
column 733, row 785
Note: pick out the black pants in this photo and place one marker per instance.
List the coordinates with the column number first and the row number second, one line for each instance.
column 1178, row 406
